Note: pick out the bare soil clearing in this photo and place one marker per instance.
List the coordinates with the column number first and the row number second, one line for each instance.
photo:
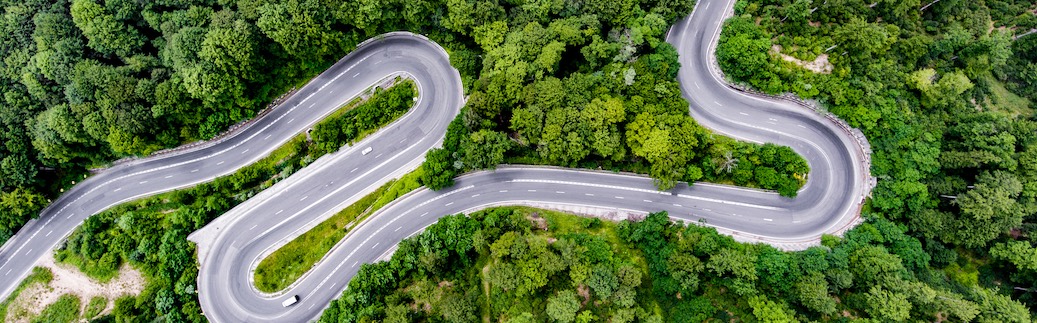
column 69, row 280
column 818, row 65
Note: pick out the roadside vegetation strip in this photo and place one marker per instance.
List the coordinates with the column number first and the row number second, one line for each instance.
column 505, row 264
column 39, row 275
column 151, row 233
column 290, row 262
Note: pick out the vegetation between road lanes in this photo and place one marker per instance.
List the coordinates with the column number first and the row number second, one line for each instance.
column 151, row 233
column 286, row 264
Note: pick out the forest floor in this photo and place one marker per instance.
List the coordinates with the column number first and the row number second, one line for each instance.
column 69, row 280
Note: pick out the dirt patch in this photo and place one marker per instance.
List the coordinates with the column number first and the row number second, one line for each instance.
column 538, row 221
column 818, row 65
column 584, row 293
column 69, row 280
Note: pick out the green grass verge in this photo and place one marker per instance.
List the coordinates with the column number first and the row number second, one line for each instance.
column 64, row 310
column 404, row 185
column 39, row 275
column 285, row 265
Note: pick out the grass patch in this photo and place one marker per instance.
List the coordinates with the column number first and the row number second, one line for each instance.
column 64, row 310
column 39, row 275
column 1003, row 100
column 96, row 306
column 404, row 185
column 284, row 266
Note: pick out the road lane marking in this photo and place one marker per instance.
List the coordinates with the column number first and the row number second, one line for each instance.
column 503, row 191
column 193, row 171
column 278, row 212
column 476, row 195
column 397, row 229
column 118, row 189
column 559, row 192
column 27, row 252
column 243, row 152
column 743, row 113
column 48, row 233
column 303, row 198
column 354, row 263
column 379, row 155
column 143, row 182
column 69, row 216
column 588, row 194
column 448, row 204
column 619, row 197
column 169, row 176
column 423, row 215
column 717, row 102
column 768, row 220
column 375, row 245
column 677, row 205
column 267, row 137
column 290, row 121
column 764, row 207
column 801, row 126
column 648, row 201
column 8, row 272
column 221, row 162
column 253, row 227
column 354, row 169
column 531, row 190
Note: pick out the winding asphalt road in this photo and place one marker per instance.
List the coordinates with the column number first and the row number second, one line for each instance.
column 231, row 246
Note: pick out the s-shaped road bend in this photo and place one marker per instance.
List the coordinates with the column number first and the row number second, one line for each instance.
column 827, row 204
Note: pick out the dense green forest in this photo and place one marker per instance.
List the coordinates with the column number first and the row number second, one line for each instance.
column 574, row 83
column 527, row 265
column 151, row 233
column 954, row 150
